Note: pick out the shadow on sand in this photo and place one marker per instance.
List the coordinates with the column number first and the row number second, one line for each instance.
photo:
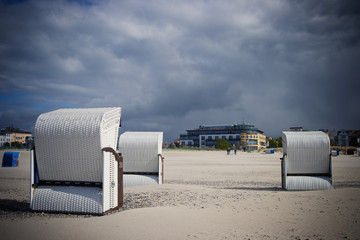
column 11, row 205
column 273, row 189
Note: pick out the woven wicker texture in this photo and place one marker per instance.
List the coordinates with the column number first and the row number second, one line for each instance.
column 68, row 199
column 307, row 152
column 69, row 141
column 305, row 183
column 141, row 151
column 138, row 180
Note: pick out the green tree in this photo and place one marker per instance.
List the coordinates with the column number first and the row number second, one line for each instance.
column 276, row 142
column 16, row 144
column 222, row 144
column 279, row 141
column 272, row 143
column 333, row 142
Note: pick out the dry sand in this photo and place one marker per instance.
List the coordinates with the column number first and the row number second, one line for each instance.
column 206, row 195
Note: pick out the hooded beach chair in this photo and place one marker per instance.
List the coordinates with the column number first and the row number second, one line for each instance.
column 74, row 166
column 11, row 159
column 306, row 164
column 143, row 162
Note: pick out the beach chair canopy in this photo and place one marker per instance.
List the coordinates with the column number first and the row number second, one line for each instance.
column 143, row 162
column 306, row 164
column 73, row 169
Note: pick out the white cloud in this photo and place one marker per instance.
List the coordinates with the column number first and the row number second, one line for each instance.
column 71, row 64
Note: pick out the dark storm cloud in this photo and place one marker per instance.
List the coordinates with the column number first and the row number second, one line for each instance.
column 175, row 65
column 326, row 77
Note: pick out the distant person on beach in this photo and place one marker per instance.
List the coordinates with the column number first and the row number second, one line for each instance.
column 235, row 151
column 228, row 151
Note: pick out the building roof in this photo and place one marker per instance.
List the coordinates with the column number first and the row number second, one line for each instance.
column 14, row 130
column 225, row 127
column 351, row 132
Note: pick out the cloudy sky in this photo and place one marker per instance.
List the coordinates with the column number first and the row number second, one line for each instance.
column 173, row 65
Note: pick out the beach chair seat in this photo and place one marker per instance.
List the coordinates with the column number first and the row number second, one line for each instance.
column 138, row 179
column 143, row 160
column 306, row 163
column 74, row 166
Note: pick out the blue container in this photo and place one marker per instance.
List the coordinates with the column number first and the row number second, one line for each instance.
column 270, row 151
column 11, row 159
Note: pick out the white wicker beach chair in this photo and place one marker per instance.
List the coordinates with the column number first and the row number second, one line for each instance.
column 306, row 164
column 143, row 162
column 74, row 165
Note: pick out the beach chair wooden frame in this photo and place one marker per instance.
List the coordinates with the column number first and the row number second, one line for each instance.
column 143, row 160
column 74, row 165
column 306, row 163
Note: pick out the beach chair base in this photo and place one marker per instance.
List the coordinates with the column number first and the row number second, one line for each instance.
column 305, row 183
column 138, row 180
column 69, row 199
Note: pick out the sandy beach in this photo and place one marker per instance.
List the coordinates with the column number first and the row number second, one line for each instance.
column 206, row 195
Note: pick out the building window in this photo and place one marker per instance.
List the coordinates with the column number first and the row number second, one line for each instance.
column 224, row 137
column 216, row 137
column 252, row 142
column 202, row 137
column 209, row 138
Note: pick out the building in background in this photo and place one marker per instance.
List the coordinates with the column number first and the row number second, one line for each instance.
column 5, row 139
column 296, row 129
column 346, row 138
column 238, row 135
column 10, row 136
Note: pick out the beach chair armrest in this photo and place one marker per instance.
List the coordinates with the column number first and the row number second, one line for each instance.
column 330, row 164
column 119, row 159
column 161, row 168
column 117, row 156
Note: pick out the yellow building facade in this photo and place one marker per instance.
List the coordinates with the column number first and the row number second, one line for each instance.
column 20, row 137
column 253, row 140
